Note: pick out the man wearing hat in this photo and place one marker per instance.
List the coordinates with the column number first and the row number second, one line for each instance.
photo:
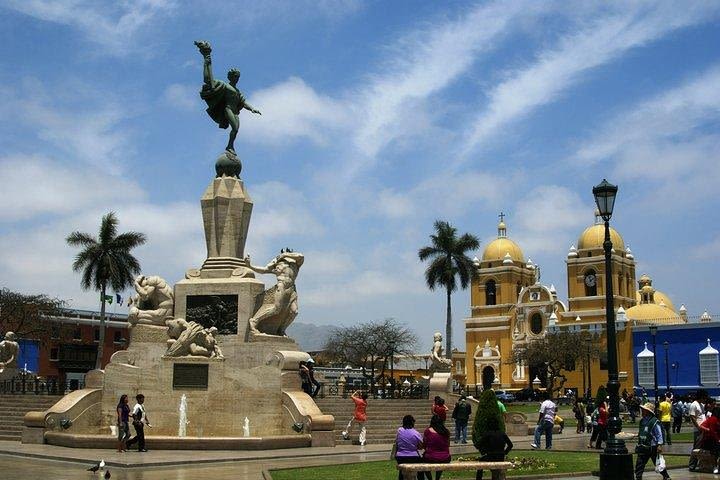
column 650, row 440
column 314, row 384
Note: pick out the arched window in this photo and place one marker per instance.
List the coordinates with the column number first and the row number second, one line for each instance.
column 536, row 323
column 590, row 281
column 490, row 293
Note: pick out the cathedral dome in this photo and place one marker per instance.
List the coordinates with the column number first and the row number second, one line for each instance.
column 498, row 248
column 594, row 236
column 659, row 297
column 655, row 296
column 652, row 313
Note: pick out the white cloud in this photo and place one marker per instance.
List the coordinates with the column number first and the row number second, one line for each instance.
column 676, row 113
column 292, row 110
column 708, row 250
column 667, row 140
column 281, row 213
column 35, row 185
column 182, row 97
column 37, row 259
column 114, row 25
column 547, row 214
column 425, row 63
column 327, row 263
column 446, row 194
column 91, row 133
column 358, row 288
column 557, row 69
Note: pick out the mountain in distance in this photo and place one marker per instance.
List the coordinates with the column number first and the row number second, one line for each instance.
column 309, row 337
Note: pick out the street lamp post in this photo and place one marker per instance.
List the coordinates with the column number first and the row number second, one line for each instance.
column 392, row 368
column 589, row 364
column 615, row 461
column 653, row 332
column 666, row 345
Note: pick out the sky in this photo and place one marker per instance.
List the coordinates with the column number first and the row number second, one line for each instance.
column 378, row 118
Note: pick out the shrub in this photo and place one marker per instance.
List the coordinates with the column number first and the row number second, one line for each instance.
column 487, row 416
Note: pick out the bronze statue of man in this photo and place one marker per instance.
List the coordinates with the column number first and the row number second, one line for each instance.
column 224, row 100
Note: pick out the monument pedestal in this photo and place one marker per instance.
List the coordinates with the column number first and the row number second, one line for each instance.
column 440, row 383
column 239, row 290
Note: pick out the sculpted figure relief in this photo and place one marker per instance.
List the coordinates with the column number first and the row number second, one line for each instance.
column 223, row 99
column 154, row 302
column 280, row 306
column 191, row 339
column 439, row 364
column 9, row 350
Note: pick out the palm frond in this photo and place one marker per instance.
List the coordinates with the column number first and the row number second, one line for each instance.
column 80, row 239
column 108, row 228
column 128, row 240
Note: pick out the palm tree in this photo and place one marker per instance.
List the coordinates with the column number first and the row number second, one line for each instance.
column 449, row 262
column 106, row 261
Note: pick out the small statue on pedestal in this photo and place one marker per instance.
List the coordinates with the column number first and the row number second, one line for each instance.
column 9, row 350
column 439, row 364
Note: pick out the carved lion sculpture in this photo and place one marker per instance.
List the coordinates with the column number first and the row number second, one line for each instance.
column 191, row 339
column 153, row 303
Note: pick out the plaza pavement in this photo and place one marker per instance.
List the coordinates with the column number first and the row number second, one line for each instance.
column 19, row 462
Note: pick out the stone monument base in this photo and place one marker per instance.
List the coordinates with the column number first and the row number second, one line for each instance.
column 440, row 383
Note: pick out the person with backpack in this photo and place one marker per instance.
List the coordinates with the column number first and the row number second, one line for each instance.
column 650, row 441
column 461, row 415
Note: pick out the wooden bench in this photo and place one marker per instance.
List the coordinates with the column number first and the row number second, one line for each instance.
column 497, row 469
column 705, row 460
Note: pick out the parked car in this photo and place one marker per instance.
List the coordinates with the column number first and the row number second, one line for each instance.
column 504, row 396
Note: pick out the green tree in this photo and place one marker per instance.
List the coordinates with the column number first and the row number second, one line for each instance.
column 106, row 261
column 448, row 262
column 556, row 353
column 487, row 417
column 369, row 346
column 28, row 315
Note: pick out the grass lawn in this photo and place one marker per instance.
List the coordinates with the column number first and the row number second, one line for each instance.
column 686, row 436
column 565, row 462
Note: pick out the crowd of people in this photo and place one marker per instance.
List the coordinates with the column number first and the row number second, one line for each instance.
column 433, row 446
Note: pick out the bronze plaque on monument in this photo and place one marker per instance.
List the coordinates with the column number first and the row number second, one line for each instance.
column 190, row 375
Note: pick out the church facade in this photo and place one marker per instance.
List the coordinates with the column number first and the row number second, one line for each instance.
column 510, row 308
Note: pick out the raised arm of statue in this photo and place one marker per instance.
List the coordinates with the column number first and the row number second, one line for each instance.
column 205, row 50
column 247, row 106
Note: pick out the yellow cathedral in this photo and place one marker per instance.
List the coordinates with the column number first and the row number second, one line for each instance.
column 509, row 307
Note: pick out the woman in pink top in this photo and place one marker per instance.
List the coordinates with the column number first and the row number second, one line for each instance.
column 437, row 445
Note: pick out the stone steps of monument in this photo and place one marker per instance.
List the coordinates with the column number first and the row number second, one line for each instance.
column 10, row 421
column 384, row 417
column 14, row 407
